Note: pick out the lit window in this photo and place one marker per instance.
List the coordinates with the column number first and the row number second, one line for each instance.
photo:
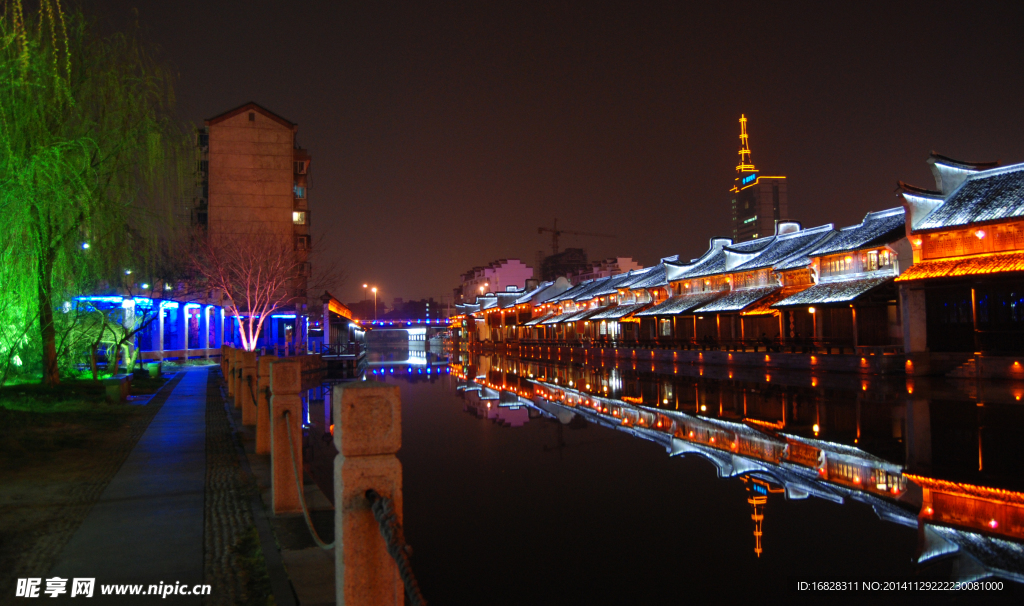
column 299, row 217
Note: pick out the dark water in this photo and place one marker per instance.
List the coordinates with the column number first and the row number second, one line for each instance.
column 512, row 503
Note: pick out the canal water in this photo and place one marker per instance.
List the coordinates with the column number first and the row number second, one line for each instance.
column 524, row 486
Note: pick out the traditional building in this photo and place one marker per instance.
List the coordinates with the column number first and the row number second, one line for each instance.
column 963, row 300
column 758, row 201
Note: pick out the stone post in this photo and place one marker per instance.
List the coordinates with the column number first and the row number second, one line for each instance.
column 367, row 434
column 237, row 377
column 263, row 405
column 285, row 387
column 230, row 375
column 247, row 389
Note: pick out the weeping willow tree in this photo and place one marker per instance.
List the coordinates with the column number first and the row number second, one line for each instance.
column 92, row 166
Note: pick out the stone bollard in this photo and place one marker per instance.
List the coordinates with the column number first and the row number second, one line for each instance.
column 285, row 387
column 236, row 378
column 367, row 433
column 229, row 376
column 263, row 405
column 247, row 389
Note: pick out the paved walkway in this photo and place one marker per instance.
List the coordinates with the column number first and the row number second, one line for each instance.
column 147, row 526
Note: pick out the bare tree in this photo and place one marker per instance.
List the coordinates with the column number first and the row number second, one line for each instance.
column 257, row 273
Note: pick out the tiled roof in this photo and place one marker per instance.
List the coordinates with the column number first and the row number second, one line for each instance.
column 508, row 299
column 984, row 196
column 611, row 285
column 680, row 304
column 785, row 246
column 538, row 320
column 558, row 318
column 840, row 291
column 583, row 315
column 619, row 311
column 713, row 261
column 572, row 291
column 876, row 229
column 654, row 278
column 525, row 298
column 964, row 266
column 737, row 300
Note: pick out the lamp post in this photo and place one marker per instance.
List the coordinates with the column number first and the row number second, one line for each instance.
column 374, row 289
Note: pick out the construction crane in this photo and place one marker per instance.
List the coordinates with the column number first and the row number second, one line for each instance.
column 555, row 232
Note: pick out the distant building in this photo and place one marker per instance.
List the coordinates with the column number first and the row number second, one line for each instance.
column 424, row 309
column 607, row 267
column 758, row 202
column 492, row 277
column 564, row 264
column 363, row 310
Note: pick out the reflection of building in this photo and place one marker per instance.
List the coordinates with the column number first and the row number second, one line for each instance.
column 758, row 202
column 493, row 277
column 758, row 490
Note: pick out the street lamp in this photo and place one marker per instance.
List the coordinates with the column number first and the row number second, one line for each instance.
column 374, row 289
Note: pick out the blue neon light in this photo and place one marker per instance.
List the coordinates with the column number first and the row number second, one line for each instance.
column 748, row 179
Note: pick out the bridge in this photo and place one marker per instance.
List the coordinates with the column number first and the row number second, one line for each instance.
column 417, row 330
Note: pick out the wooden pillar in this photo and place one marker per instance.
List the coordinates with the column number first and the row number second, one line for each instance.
column 367, row 434
column 285, row 416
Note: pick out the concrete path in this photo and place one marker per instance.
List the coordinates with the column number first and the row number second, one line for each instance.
column 147, row 526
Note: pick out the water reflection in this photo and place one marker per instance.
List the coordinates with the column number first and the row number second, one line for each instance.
column 935, row 456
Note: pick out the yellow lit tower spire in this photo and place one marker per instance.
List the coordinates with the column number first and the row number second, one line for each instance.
column 745, row 165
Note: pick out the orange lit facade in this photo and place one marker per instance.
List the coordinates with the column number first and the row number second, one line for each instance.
column 965, row 293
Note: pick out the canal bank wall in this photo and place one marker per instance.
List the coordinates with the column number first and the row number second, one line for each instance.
column 872, row 363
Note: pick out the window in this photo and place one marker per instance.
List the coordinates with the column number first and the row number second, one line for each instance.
column 300, row 167
column 665, row 327
column 252, row 116
column 300, row 192
column 305, row 269
column 302, row 242
column 299, row 217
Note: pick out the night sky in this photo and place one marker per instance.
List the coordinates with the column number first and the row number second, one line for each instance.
column 443, row 135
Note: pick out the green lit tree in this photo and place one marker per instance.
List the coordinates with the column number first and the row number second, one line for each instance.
column 92, row 164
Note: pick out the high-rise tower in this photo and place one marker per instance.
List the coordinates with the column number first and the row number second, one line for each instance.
column 758, row 202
